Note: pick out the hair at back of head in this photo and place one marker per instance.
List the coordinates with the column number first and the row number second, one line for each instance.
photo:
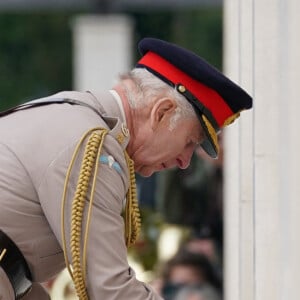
column 148, row 88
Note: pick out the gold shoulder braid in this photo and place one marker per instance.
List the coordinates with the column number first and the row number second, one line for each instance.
column 88, row 172
column 132, row 211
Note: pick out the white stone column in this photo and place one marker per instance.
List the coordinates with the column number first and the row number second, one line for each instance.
column 262, row 205
column 102, row 49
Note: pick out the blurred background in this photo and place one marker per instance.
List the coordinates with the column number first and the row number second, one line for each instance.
column 38, row 37
column 49, row 46
column 226, row 228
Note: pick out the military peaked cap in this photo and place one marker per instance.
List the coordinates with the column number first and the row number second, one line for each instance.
column 216, row 99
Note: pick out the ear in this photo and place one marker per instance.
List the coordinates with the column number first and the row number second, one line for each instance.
column 162, row 111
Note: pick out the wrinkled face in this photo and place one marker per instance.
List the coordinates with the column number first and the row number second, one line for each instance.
column 163, row 148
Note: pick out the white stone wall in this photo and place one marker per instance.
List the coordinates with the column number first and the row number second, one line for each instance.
column 262, row 184
column 102, row 49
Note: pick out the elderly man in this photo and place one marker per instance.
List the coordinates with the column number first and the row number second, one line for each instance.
column 68, row 195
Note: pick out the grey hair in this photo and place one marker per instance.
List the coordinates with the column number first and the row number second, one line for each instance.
column 148, row 88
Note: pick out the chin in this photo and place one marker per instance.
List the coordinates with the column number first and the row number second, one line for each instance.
column 145, row 172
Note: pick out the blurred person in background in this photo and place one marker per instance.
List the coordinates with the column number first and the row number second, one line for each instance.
column 188, row 269
column 193, row 197
column 68, row 163
column 204, row 292
column 205, row 243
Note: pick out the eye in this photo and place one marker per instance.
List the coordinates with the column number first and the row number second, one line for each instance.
column 191, row 143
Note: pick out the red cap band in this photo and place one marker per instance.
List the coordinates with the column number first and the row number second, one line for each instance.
column 207, row 96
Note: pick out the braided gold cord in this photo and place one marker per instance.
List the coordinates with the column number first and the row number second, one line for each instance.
column 64, row 197
column 89, row 167
column 88, row 173
column 101, row 137
column 88, row 163
column 132, row 211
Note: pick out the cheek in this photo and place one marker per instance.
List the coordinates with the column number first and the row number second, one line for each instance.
column 169, row 148
column 145, row 154
column 157, row 150
column 152, row 155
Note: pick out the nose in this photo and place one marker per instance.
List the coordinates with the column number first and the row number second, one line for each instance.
column 184, row 160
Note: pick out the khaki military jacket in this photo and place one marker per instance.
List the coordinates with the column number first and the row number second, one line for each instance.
column 36, row 147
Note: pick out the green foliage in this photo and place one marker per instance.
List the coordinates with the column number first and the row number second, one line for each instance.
column 36, row 48
column 199, row 30
column 158, row 24
column 35, row 56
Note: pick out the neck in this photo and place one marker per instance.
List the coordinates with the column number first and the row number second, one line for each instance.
column 129, row 114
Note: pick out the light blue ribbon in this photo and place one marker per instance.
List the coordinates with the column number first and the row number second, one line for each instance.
column 110, row 161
